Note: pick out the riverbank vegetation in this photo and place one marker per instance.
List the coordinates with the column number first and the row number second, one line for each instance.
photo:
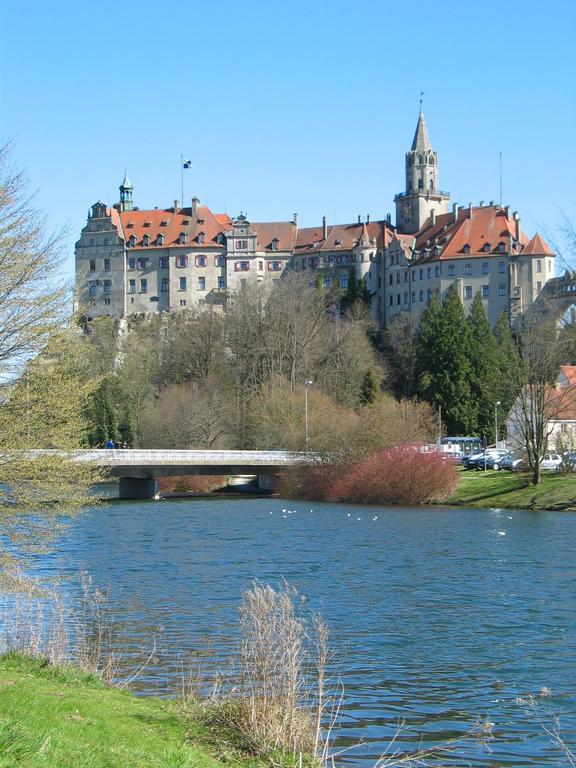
column 511, row 490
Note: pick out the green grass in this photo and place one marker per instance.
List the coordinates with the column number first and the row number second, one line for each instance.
column 512, row 490
column 55, row 717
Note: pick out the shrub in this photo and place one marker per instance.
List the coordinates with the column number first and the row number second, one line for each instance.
column 400, row 475
column 309, row 481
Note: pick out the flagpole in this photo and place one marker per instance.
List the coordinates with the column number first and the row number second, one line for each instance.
column 182, row 179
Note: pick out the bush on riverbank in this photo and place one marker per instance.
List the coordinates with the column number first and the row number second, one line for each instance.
column 400, row 475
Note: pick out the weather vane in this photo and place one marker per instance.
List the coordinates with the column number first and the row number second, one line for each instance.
column 421, row 94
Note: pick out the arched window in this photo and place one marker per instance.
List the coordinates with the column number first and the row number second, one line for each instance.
column 486, row 247
column 146, row 240
column 201, row 238
column 160, row 240
column 431, row 182
column 431, row 160
column 420, row 184
column 466, row 249
column 182, row 238
column 421, row 159
column 132, row 241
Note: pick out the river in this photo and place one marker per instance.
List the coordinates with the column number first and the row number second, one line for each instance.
column 439, row 617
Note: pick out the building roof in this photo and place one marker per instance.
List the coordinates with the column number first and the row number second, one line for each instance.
column 171, row 224
column 342, row 237
column 468, row 235
column 282, row 231
column 421, row 141
column 536, row 247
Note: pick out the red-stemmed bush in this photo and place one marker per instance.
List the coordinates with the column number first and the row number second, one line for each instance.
column 401, row 475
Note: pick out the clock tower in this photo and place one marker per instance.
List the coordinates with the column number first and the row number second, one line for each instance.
column 422, row 193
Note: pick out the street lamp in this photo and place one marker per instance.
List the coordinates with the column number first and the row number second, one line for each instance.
column 496, row 406
column 307, row 383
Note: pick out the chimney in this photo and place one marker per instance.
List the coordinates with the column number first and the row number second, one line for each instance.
column 507, row 211
column 469, row 210
column 295, row 219
column 388, row 218
column 455, row 209
column 194, row 209
column 491, row 203
column 481, row 203
column 367, row 218
column 359, row 219
column 433, row 216
column 176, row 205
column 324, row 228
column 517, row 223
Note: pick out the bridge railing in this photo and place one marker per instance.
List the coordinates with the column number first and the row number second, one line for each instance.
column 127, row 456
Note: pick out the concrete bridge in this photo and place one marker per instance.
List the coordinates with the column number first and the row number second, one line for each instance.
column 139, row 470
column 555, row 298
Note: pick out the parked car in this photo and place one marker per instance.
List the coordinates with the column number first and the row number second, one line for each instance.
column 513, row 462
column 491, row 460
column 479, row 460
column 569, row 461
column 551, row 462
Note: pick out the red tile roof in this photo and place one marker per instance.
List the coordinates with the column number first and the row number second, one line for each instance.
column 341, row 237
column 283, row 231
column 169, row 223
column 536, row 247
column 474, row 228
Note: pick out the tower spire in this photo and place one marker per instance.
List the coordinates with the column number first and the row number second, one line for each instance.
column 421, row 142
column 126, row 189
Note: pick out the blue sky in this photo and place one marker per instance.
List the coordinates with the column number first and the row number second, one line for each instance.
column 292, row 106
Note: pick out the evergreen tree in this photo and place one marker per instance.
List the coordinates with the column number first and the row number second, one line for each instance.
column 370, row 387
column 508, row 364
column 356, row 291
column 484, row 369
column 443, row 366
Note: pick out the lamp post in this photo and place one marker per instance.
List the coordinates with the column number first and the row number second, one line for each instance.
column 496, row 406
column 307, row 383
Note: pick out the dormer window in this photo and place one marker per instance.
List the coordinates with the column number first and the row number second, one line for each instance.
column 274, row 244
column 164, row 223
column 501, row 247
column 146, row 240
column 486, row 248
column 200, row 221
column 201, row 238
column 220, row 238
column 466, row 249
column 182, row 238
column 146, row 223
column 186, row 222
column 132, row 241
column 338, row 242
column 130, row 225
column 160, row 240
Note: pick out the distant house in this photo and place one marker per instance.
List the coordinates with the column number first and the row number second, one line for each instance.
column 559, row 410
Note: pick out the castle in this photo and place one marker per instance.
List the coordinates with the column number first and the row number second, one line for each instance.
column 132, row 261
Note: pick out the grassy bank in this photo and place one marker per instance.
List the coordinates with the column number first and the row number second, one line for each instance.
column 511, row 490
column 52, row 717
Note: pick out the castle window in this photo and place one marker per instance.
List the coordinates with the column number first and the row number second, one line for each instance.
column 468, row 292
column 146, row 240
column 131, row 286
column 390, row 279
column 182, row 238
column 182, row 284
column 146, row 223
column 242, row 266
column 502, row 267
column 260, row 266
column 220, row 238
column 420, row 159
column 221, row 283
column 131, row 263
column 164, row 223
column 132, row 241
column 143, row 263
column 485, row 291
column 468, row 269
column 431, row 182
column 275, row 244
column 391, row 301
column 91, row 241
column 421, row 274
column 201, row 238
column 397, row 278
column 486, row 247
column 106, row 265
column 200, row 261
column 92, row 289
column 107, row 286
column 451, row 270
column 485, row 268
column 164, row 285
column 421, row 295
column 92, row 265
column 502, row 290
column 501, row 247
column 241, row 245
column 431, row 160
column 182, row 260
column 420, row 184
column 344, row 280
column 538, row 265
column 202, row 283
column 466, row 249
column 328, row 281
column 163, row 262
column 144, row 285
column 160, row 240
column 429, row 272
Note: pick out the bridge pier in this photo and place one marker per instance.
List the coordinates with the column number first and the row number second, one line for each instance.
column 138, row 488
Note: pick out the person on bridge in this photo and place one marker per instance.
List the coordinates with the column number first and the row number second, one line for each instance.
column 110, row 444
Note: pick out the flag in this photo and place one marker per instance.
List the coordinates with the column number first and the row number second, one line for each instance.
column 187, row 164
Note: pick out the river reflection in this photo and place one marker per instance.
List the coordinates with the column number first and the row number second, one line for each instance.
column 439, row 617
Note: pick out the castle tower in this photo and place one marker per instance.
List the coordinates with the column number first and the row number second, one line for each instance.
column 126, row 194
column 422, row 193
